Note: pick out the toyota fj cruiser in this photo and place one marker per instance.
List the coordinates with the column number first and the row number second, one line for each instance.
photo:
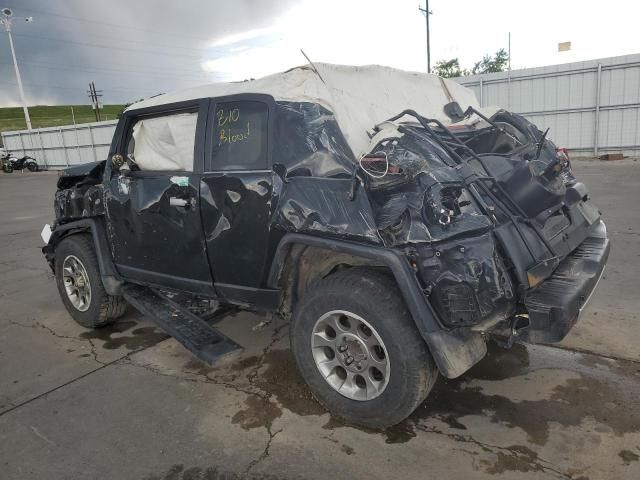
column 398, row 225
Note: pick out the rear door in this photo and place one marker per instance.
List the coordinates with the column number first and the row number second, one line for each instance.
column 236, row 195
column 153, row 207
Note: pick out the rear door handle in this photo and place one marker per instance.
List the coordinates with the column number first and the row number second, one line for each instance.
column 180, row 202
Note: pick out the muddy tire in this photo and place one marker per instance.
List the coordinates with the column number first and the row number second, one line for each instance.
column 80, row 286
column 359, row 350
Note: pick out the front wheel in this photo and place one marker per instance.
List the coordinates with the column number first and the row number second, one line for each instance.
column 359, row 350
column 80, row 285
column 7, row 167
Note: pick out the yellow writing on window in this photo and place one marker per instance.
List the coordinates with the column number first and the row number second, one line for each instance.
column 227, row 116
column 232, row 131
column 227, row 135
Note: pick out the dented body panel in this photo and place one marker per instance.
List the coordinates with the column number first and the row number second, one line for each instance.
column 236, row 211
column 480, row 221
column 144, row 226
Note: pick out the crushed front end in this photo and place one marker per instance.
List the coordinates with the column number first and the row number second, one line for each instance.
column 79, row 195
column 503, row 238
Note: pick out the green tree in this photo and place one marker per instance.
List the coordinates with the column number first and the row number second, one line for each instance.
column 489, row 64
column 449, row 68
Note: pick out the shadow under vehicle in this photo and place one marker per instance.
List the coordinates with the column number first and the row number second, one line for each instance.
column 394, row 222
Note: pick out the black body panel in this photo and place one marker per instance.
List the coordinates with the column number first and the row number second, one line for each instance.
column 322, row 206
column 111, row 279
column 467, row 282
column 554, row 305
column 152, row 240
column 236, row 214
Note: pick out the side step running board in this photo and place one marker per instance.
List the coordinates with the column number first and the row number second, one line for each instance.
column 196, row 335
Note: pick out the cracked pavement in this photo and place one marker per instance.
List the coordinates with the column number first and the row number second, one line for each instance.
column 128, row 402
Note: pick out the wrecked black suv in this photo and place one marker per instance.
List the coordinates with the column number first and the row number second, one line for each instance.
column 397, row 224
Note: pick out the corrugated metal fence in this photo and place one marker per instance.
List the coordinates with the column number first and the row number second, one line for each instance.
column 590, row 107
column 63, row 146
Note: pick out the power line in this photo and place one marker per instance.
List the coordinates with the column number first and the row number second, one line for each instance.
column 128, row 41
column 60, row 87
column 103, row 71
column 121, row 67
column 108, row 47
column 163, row 33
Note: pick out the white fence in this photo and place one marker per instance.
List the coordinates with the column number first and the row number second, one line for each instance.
column 62, row 146
column 589, row 107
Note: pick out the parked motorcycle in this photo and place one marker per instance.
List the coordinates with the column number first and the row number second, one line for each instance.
column 4, row 161
column 12, row 163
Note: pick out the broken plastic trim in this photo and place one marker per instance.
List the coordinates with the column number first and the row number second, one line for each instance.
column 447, row 146
column 471, row 110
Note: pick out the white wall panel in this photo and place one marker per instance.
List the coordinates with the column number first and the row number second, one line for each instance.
column 62, row 146
column 563, row 98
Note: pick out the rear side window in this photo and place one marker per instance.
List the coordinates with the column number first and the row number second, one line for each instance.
column 240, row 136
column 164, row 142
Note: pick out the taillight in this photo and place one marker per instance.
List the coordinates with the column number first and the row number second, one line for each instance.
column 563, row 154
column 377, row 165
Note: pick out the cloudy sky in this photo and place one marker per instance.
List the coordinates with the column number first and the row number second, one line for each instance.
column 137, row 48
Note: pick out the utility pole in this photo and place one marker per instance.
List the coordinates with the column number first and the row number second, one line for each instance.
column 427, row 12
column 509, row 51
column 509, row 76
column 94, row 96
column 7, row 20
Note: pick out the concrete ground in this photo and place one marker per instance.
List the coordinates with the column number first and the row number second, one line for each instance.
column 126, row 402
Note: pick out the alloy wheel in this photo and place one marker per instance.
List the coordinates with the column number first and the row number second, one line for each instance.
column 76, row 283
column 350, row 355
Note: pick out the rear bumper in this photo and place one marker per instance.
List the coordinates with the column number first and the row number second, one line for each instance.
column 555, row 305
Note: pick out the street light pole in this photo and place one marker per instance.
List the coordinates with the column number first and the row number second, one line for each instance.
column 7, row 20
column 427, row 12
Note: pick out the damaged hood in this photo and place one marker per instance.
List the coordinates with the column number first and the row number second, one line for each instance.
column 359, row 97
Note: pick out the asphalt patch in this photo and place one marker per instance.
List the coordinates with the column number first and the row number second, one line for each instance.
column 113, row 336
column 568, row 404
column 180, row 472
column 628, row 456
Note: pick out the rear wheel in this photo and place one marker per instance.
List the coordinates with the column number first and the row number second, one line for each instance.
column 32, row 166
column 80, row 285
column 358, row 348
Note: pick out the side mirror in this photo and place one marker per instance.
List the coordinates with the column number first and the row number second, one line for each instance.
column 117, row 161
column 453, row 111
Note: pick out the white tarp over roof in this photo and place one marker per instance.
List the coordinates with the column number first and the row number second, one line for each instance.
column 359, row 97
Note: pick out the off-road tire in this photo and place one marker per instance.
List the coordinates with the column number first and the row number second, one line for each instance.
column 7, row 168
column 32, row 167
column 373, row 295
column 103, row 308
